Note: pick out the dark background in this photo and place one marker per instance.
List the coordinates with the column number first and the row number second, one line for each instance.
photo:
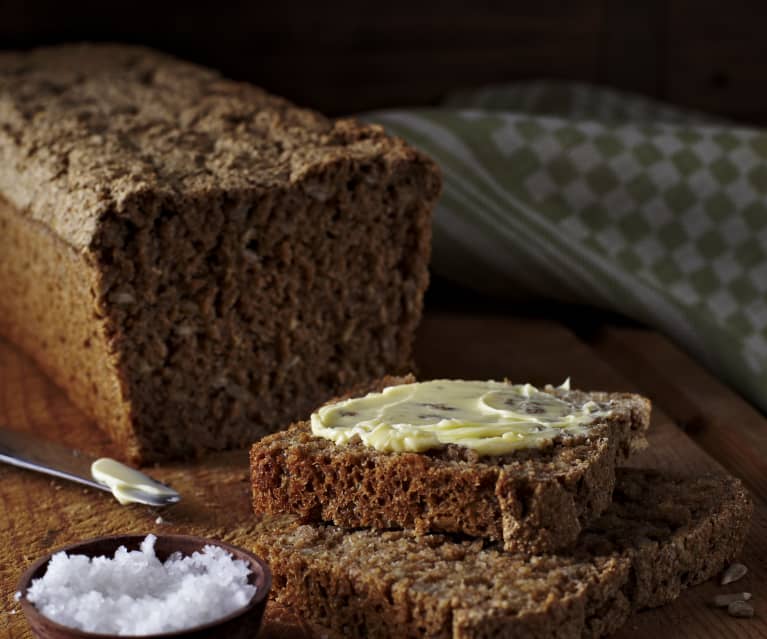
column 349, row 56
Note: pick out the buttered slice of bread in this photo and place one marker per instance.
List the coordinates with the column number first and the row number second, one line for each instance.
column 532, row 499
column 660, row 535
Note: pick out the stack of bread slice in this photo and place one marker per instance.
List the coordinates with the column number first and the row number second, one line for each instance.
column 554, row 540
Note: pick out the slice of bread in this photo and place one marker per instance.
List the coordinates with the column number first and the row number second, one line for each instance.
column 534, row 500
column 660, row 535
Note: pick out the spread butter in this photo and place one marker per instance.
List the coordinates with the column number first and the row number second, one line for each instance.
column 492, row 418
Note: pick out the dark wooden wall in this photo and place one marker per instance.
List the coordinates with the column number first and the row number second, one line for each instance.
column 349, row 56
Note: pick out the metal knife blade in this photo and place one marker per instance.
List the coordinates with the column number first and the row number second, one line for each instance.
column 44, row 456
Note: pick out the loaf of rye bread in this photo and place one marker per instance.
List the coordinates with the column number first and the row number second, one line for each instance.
column 660, row 535
column 195, row 261
column 534, row 500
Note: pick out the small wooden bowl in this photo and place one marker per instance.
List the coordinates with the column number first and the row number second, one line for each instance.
column 240, row 624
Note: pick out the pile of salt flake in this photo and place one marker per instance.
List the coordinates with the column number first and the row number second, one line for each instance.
column 137, row 594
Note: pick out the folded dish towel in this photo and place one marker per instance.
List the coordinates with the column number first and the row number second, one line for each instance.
column 587, row 195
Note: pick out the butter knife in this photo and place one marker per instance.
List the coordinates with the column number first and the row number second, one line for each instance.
column 44, row 456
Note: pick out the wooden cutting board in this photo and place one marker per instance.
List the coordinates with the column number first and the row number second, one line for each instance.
column 699, row 425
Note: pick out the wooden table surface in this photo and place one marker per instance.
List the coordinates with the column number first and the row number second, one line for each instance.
column 699, row 425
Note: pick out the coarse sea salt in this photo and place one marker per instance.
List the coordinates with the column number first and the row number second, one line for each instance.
column 136, row 594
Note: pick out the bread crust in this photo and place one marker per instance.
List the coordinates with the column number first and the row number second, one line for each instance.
column 90, row 131
column 662, row 534
column 534, row 500
column 47, row 307
column 229, row 260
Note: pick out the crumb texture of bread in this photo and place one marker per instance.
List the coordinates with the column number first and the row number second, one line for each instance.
column 660, row 535
column 534, row 500
column 195, row 261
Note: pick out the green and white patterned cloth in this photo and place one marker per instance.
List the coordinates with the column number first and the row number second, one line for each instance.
column 586, row 195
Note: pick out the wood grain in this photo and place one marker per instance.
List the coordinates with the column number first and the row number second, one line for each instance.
column 40, row 514
column 718, row 419
column 715, row 57
column 344, row 58
column 632, row 51
column 350, row 56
